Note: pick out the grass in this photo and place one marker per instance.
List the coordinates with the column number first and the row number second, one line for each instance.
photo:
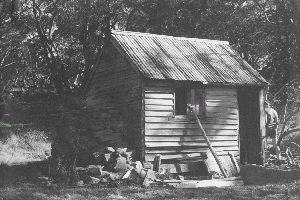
column 260, row 182
column 23, row 146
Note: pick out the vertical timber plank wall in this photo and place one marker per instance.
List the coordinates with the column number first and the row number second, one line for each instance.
column 116, row 92
column 179, row 136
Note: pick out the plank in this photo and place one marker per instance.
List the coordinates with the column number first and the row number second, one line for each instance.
column 168, row 90
column 220, row 115
column 190, row 132
column 233, row 150
column 202, row 144
column 221, row 110
column 221, row 92
column 222, row 88
column 207, row 183
column 158, row 114
column 149, row 126
column 179, row 156
column 158, row 96
column 190, row 138
column 151, row 157
column 158, row 107
column 159, row 101
column 151, row 83
column 203, row 121
column 226, row 104
column 221, row 98
column 183, row 167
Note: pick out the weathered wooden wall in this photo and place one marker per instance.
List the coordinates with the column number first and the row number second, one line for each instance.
column 115, row 101
column 179, row 136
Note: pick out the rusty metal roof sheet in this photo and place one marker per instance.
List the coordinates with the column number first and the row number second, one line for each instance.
column 191, row 59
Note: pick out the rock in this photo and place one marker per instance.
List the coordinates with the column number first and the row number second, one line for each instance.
column 109, row 150
column 121, row 165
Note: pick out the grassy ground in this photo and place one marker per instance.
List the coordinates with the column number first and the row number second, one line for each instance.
column 260, row 182
column 267, row 186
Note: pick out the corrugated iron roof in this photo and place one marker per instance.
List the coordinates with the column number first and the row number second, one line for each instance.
column 179, row 58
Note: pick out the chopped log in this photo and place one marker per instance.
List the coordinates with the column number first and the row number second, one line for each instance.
column 126, row 175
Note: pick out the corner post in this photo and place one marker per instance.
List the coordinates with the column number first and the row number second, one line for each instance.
column 262, row 133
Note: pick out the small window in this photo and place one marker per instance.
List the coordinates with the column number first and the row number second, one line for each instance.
column 194, row 97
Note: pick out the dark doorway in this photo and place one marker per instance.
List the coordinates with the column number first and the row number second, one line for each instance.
column 249, row 125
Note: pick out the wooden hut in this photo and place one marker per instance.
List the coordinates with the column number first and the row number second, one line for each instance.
column 140, row 92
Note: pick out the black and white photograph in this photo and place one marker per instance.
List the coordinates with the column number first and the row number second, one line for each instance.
column 149, row 99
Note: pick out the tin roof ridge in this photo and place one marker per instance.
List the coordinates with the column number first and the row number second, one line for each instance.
column 119, row 32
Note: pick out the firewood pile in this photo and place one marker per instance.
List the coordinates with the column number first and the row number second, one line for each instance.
column 119, row 166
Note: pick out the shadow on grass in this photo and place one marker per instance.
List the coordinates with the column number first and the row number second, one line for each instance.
column 29, row 172
column 258, row 175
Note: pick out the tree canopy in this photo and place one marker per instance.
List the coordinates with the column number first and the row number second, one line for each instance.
column 56, row 45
